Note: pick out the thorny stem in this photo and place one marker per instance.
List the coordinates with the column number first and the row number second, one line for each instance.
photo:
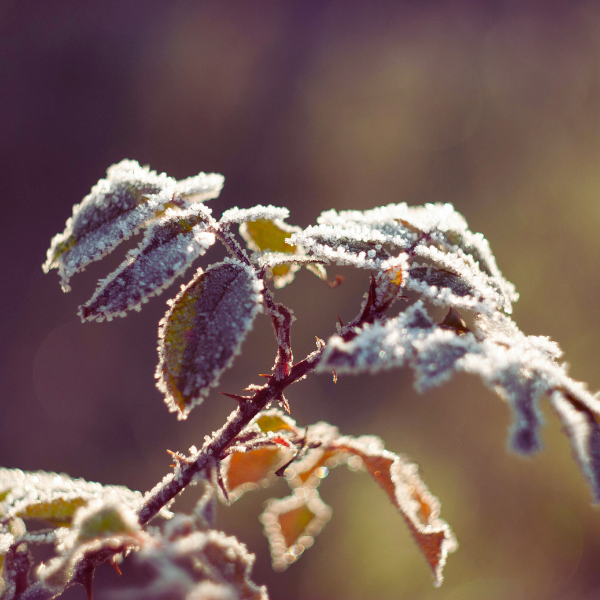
column 186, row 469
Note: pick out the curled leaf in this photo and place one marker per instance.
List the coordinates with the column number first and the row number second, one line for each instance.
column 399, row 479
column 580, row 423
column 169, row 247
column 291, row 525
column 203, row 330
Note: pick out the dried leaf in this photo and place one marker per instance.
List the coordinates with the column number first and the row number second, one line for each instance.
column 253, row 469
column 203, row 331
column 291, row 525
column 169, row 247
column 398, row 478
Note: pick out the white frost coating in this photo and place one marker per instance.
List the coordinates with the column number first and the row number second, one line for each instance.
column 378, row 346
column 581, row 425
column 256, row 213
column 6, row 541
column 427, row 218
column 435, row 232
column 203, row 331
column 467, row 285
column 201, row 187
column 222, row 563
column 169, row 247
column 521, row 369
column 115, row 209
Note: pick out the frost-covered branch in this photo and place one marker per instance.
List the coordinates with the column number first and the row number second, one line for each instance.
column 424, row 256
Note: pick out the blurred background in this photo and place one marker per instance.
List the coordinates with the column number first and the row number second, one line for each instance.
column 493, row 106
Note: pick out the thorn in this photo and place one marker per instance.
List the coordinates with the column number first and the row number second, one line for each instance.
column 453, row 320
column 237, row 397
column 222, row 484
column 340, row 320
column 265, row 375
column 281, row 470
column 282, row 400
column 334, row 375
column 115, row 566
column 320, row 343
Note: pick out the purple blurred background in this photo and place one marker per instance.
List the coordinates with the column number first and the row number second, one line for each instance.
column 493, row 106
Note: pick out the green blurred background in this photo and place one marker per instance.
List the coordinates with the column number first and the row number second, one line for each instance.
column 493, row 106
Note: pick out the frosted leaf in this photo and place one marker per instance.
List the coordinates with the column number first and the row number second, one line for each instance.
column 113, row 211
column 201, row 187
column 169, row 247
column 222, row 563
column 291, row 525
column 256, row 213
column 266, row 233
column 378, row 346
column 52, row 497
column 437, row 356
column 343, row 246
column 520, row 368
column 203, row 330
column 455, row 279
column 580, row 423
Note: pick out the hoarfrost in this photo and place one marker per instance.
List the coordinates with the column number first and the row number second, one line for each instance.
column 169, row 247
column 115, row 209
column 521, row 369
column 201, row 187
column 256, row 213
column 203, row 331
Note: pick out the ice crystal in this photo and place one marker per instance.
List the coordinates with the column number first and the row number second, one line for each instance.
column 169, row 247
column 203, row 331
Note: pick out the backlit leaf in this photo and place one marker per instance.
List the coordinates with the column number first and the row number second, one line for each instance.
column 169, row 247
column 292, row 523
column 253, row 469
column 269, row 235
column 397, row 477
column 275, row 420
column 53, row 498
column 203, row 331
